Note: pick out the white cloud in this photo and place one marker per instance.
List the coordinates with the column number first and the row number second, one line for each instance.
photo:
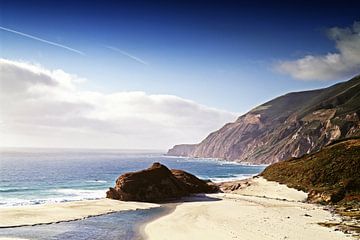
column 44, row 108
column 344, row 63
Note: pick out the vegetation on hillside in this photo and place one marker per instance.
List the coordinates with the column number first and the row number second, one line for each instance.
column 330, row 176
column 334, row 169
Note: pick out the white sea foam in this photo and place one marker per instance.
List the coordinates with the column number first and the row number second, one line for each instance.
column 96, row 181
column 81, row 194
column 231, row 178
column 60, row 195
column 217, row 160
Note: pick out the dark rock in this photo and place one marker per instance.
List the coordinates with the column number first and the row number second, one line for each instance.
column 193, row 184
column 157, row 184
column 233, row 185
column 112, row 193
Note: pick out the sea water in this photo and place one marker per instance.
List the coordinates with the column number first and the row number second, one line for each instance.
column 115, row 226
column 37, row 176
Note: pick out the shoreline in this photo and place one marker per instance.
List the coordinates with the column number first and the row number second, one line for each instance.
column 43, row 214
column 222, row 160
column 167, row 208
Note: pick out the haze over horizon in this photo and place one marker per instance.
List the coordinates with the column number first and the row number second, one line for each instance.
column 150, row 75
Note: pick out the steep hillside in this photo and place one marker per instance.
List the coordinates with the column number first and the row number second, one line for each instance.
column 330, row 175
column 288, row 126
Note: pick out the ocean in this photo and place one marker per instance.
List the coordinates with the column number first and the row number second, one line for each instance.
column 37, row 176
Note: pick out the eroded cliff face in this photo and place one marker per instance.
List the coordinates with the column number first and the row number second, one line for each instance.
column 182, row 150
column 288, row 126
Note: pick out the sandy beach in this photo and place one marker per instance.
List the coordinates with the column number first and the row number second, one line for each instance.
column 263, row 210
column 257, row 209
column 61, row 212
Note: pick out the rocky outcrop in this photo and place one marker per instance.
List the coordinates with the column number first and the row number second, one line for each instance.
column 288, row 126
column 158, row 184
column 326, row 197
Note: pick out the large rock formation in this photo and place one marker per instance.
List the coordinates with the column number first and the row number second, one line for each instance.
column 158, row 184
column 288, row 126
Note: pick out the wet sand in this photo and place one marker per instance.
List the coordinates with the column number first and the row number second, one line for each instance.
column 61, row 212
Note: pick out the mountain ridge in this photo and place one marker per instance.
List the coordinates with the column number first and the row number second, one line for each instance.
column 288, row 126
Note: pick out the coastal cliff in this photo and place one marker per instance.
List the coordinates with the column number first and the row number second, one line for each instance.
column 288, row 126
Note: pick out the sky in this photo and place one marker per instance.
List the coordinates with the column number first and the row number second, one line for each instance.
column 148, row 75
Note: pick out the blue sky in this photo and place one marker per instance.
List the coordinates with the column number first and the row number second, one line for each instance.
column 221, row 54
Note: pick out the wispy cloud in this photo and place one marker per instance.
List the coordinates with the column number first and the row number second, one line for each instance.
column 139, row 60
column 41, row 40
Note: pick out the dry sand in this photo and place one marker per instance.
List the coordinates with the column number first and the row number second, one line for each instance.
column 262, row 211
column 60, row 212
column 260, row 187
